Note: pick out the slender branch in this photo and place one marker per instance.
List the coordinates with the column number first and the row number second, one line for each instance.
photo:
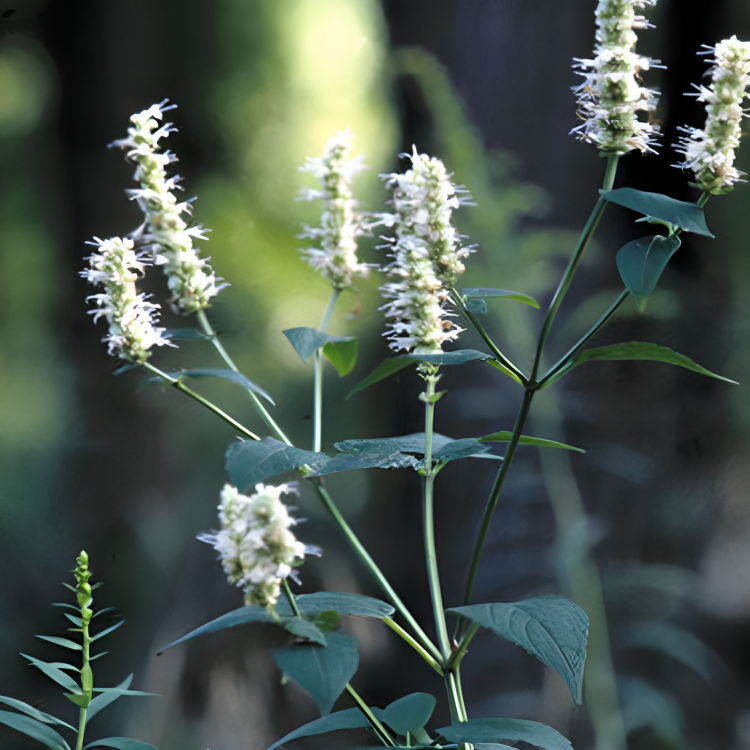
column 256, row 402
column 381, row 731
column 460, row 651
column 180, row 386
column 290, row 597
column 318, row 377
column 426, row 656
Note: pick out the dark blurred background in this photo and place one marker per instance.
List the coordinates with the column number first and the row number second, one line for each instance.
column 649, row 531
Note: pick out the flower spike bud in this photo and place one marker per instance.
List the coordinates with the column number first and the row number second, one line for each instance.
column 333, row 249
column 115, row 268
column 256, row 546
column 426, row 252
column 189, row 277
column 611, row 94
column 710, row 152
column 82, row 575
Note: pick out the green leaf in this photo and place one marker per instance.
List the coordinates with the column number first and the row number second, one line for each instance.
column 66, row 606
column 119, row 691
column 251, row 461
column 103, row 611
column 687, row 216
column 54, row 673
column 643, row 351
column 499, row 366
column 107, row 631
column 183, row 334
column 504, row 437
column 406, row 451
column 75, row 620
column 64, row 642
column 394, row 364
column 476, row 306
column 517, row 296
column 410, row 713
column 34, row 729
column 351, row 718
column 312, row 605
column 342, row 354
column 327, row 620
column 103, row 700
column 306, row 341
column 241, row 616
column 642, row 262
column 231, row 375
column 645, row 706
column 304, row 629
column 103, row 653
column 82, row 701
column 552, row 628
column 33, row 712
column 490, row 730
column 322, row 671
column 121, row 743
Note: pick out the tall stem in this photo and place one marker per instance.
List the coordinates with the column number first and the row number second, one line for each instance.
column 318, row 377
column 256, row 402
column 380, row 730
column 87, row 680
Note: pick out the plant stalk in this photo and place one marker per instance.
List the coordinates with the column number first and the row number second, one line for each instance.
column 318, row 377
column 421, row 651
column 380, row 730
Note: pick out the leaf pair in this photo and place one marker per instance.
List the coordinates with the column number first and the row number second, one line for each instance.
column 340, row 351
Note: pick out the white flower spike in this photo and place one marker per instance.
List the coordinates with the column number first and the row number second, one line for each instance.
column 255, row 544
column 426, row 252
column 611, row 95
column 115, row 268
column 189, row 277
column 710, row 152
column 334, row 243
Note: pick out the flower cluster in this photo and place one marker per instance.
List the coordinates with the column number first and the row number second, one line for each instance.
column 115, row 268
column 255, row 544
column 426, row 252
column 190, row 278
column 334, row 250
column 710, row 152
column 611, row 95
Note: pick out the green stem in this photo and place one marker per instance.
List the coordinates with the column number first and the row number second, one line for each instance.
column 584, row 340
column 265, row 416
column 180, row 386
column 374, row 571
column 290, row 598
column 86, row 676
column 460, row 651
column 381, row 731
column 422, row 652
column 81, row 728
column 318, row 377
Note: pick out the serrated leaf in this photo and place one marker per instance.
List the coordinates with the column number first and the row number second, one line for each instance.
column 121, row 743
column 103, row 700
column 33, row 712
column 303, row 629
column 687, row 216
column 642, row 262
column 306, row 341
column 642, row 351
column 64, row 642
column 552, row 628
column 54, row 673
column 231, row 375
column 517, row 296
column 479, row 731
column 504, row 437
column 645, row 706
column 241, row 616
column 406, row 451
column 394, row 364
column 351, row 718
column 183, row 334
column 342, row 354
column 322, row 671
column 252, row 461
column 476, row 306
column 312, row 605
column 107, row 631
column 34, row 729
column 410, row 713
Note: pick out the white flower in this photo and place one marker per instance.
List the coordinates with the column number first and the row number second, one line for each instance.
column 426, row 252
column 611, row 95
column 189, row 277
column 710, row 152
column 255, row 544
column 115, row 268
column 334, row 248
